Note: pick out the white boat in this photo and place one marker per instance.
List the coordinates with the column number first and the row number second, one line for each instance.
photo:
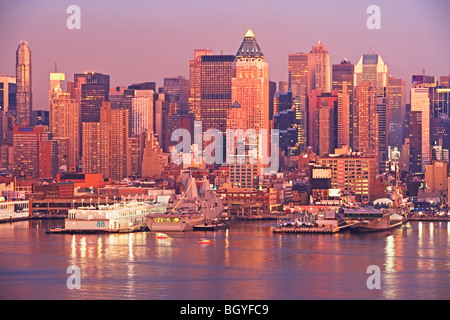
column 118, row 217
column 197, row 206
column 14, row 210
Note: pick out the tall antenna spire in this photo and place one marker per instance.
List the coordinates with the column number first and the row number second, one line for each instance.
column 56, row 69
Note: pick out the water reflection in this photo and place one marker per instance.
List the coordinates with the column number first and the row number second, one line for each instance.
column 246, row 261
column 389, row 265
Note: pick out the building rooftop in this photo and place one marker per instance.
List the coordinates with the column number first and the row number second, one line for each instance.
column 249, row 47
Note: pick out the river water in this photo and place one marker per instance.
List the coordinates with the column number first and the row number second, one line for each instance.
column 247, row 261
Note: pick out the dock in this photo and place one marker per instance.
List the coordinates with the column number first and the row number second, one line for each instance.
column 94, row 231
column 437, row 218
column 312, row 229
column 305, row 230
column 212, row 227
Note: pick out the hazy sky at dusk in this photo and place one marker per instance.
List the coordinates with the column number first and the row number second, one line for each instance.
column 137, row 40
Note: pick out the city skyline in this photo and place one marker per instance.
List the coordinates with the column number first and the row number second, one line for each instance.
column 140, row 56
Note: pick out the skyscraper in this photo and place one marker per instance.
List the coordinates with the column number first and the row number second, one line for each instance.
column 342, row 72
column 420, row 101
column 105, row 144
column 321, row 68
column 342, row 80
column 316, row 101
column 195, row 80
column 142, row 111
column 343, row 116
column 177, row 89
column 397, row 110
column 23, row 80
column 26, row 141
column 94, row 90
column 65, row 122
column 8, row 91
column 217, row 72
column 365, row 122
column 415, row 143
column 300, row 69
column 250, row 88
column 372, row 68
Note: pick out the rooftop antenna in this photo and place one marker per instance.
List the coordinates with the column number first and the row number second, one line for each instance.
column 423, row 72
column 56, row 67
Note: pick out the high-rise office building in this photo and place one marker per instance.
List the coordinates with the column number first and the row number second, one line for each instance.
column 320, row 60
column 116, row 96
column 316, row 101
column 217, row 72
column 365, row 119
column 415, row 143
column 439, row 100
column 95, row 148
column 195, row 81
column 177, row 89
column 118, row 139
column 64, row 120
column 57, row 83
column 343, row 116
column 372, row 68
column 105, row 144
column 26, row 150
column 242, row 158
column 444, row 81
column 300, row 69
column 420, row 101
column 48, row 157
column 397, row 110
column 8, row 91
column 342, row 81
column 163, row 109
column 250, row 88
column 142, row 111
column 23, row 81
column 285, row 121
column 342, row 72
column 94, row 90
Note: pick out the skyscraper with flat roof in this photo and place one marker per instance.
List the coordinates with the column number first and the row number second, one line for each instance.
column 94, row 90
column 397, row 110
column 371, row 67
column 217, row 72
column 195, row 82
column 26, row 150
column 420, row 101
column 365, row 123
column 8, row 91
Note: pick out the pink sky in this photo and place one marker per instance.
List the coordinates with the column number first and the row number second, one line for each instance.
column 137, row 40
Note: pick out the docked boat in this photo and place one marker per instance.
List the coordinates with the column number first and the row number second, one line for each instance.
column 369, row 219
column 197, row 206
column 119, row 217
column 14, row 210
